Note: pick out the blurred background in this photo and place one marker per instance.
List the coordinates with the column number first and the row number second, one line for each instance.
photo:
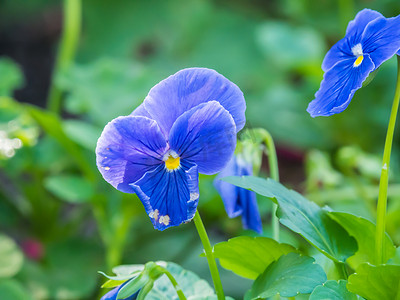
column 60, row 222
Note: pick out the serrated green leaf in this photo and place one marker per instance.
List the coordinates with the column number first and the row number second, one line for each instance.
column 290, row 275
column 70, row 188
column 332, row 290
column 249, row 256
column 13, row 290
column 364, row 233
column 11, row 257
column 303, row 216
column 376, row 282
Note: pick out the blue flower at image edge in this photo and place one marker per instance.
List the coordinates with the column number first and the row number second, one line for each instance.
column 370, row 40
column 239, row 201
column 186, row 125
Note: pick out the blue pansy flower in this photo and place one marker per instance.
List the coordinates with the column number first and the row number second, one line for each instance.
column 370, row 40
column 186, row 125
column 112, row 295
column 239, row 201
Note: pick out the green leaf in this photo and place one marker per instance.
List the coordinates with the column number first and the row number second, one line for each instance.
column 70, row 188
column 364, row 233
column 290, row 275
column 94, row 88
column 376, row 282
column 303, row 216
column 249, row 256
column 192, row 286
column 11, row 77
column 395, row 260
column 112, row 283
column 13, row 290
column 11, row 257
column 332, row 290
column 51, row 124
column 152, row 276
column 71, row 269
column 82, row 133
column 125, row 270
column 134, row 285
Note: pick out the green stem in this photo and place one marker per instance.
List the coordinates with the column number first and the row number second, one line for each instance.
column 384, row 181
column 178, row 289
column 210, row 256
column 67, row 49
column 274, row 174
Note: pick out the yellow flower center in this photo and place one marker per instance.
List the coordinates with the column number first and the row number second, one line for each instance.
column 358, row 61
column 172, row 163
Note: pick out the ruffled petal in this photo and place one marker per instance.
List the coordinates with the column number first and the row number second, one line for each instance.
column 381, row 39
column 169, row 197
column 342, row 49
column 356, row 27
column 205, row 136
column 127, row 148
column 339, row 85
column 188, row 88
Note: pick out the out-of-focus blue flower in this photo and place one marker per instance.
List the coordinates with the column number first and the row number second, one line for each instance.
column 112, row 295
column 186, row 125
column 239, row 201
column 370, row 40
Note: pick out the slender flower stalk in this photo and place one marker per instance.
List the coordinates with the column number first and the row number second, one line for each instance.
column 274, row 174
column 177, row 288
column 210, row 256
column 384, row 181
column 67, row 48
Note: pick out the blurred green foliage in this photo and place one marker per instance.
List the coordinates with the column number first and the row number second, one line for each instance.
column 50, row 190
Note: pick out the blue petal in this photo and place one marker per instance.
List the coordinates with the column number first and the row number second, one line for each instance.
column 127, row 148
column 188, row 88
column 228, row 192
column 381, row 39
column 141, row 111
column 205, row 136
column 342, row 49
column 356, row 27
column 338, row 87
column 251, row 218
column 169, row 197
column 239, row 201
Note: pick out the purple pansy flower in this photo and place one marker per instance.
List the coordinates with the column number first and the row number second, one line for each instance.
column 239, row 201
column 186, row 125
column 370, row 40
